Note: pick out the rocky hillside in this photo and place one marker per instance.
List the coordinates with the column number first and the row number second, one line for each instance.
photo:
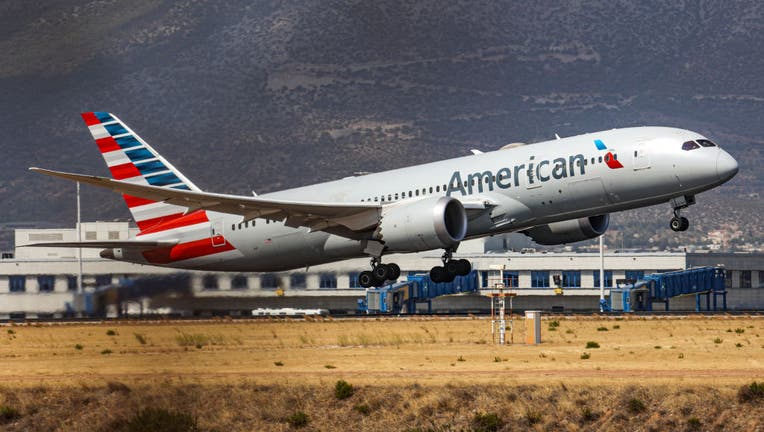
column 265, row 95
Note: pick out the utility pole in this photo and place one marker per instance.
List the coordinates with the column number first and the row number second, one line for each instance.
column 602, row 275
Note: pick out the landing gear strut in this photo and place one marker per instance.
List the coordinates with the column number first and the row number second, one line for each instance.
column 379, row 274
column 679, row 222
column 450, row 269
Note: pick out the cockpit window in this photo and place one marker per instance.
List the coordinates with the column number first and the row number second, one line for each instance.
column 706, row 143
column 690, row 145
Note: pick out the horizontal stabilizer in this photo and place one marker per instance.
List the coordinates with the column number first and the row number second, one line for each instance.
column 113, row 244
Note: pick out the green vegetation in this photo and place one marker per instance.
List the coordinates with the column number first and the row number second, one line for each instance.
column 753, row 392
column 343, row 390
column 106, row 351
column 460, row 359
column 739, row 330
column 603, row 328
column 693, row 424
column 635, row 406
column 278, row 363
column 592, row 344
column 8, row 414
column 158, row 419
column 298, row 420
column 616, row 327
column 586, row 356
column 78, row 347
column 11, row 331
column 362, row 408
column 328, row 366
column 487, row 422
column 588, row 416
column 140, row 338
column 111, row 332
column 718, row 341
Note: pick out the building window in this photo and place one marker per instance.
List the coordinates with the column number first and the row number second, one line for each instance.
column 327, row 280
column 761, row 279
column 608, row 278
column 510, row 278
column 269, row 281
column 71, row 283
column 90, row 235
column 297, row 280
column 571, row 279
column 539, row 279
column 17, row 283
column 45, row 283
column 239, row 282
column 745, row 279
column 353, row 280
column 484, row 279
column 113, row 235
column 210, row 282
column 635, row 274
column 728, row 279
column 103, row 280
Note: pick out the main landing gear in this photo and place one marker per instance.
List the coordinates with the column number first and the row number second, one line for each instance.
column 679, row 222
column 379, row 274
column 450, row 269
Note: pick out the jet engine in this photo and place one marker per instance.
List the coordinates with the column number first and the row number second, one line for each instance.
column 431, row 223
column 569, row 231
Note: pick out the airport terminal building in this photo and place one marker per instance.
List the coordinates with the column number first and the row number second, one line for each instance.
column 43, row 282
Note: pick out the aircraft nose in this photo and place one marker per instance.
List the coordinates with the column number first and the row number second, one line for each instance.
column 726, row 166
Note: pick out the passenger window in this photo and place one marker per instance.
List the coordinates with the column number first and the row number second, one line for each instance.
column 410, row 194
column 600, row 159
column 396, row 196
column 430, row 189
column 690, row 145
column 389, row 197
column 706, row 143
column 437, row 188
column 233, row 227
column 375, row 199
column 592, row 161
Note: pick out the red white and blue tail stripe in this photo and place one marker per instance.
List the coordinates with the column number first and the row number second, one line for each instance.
column 131, row 159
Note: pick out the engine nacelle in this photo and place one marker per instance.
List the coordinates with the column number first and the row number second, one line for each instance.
column 432, row 223
column 569, row 231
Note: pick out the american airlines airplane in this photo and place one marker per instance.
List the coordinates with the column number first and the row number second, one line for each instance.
column 555, row 192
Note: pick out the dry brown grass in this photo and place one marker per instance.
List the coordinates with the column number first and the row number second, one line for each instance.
column 428, row 374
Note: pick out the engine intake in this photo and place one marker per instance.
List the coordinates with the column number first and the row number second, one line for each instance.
column 431, row 223
column 569, row 231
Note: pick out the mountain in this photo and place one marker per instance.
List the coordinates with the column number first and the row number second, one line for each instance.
column 266, row 95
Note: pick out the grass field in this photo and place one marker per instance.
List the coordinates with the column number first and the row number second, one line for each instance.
column 407, row 374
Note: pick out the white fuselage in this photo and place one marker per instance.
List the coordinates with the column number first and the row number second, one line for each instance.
column 526, row 186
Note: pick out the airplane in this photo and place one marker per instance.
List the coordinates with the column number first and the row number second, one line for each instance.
column 556, row 192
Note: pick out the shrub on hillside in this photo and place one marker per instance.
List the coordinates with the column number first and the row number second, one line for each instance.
column 343, row 390
column 158, row 419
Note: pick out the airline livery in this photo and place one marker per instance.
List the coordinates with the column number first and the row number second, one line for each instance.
column 555, row 192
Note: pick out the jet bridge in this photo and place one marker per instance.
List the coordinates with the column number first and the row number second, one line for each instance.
column 403, row 297
column 708, row 282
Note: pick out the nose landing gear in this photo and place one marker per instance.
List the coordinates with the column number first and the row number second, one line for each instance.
column 679, row 222
column 450, row 269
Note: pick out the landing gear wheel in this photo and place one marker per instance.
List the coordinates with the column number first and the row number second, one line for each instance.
column 679, row 223
column 463, row 267
column 381, row 272
column 366, row 279
column 395, row 271
column 438, row 274
column 452, row 267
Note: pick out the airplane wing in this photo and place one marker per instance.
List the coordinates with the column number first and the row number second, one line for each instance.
column 113, row 244
column 314, row 215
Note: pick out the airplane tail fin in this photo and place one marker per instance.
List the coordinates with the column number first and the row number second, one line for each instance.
column 131, row 159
